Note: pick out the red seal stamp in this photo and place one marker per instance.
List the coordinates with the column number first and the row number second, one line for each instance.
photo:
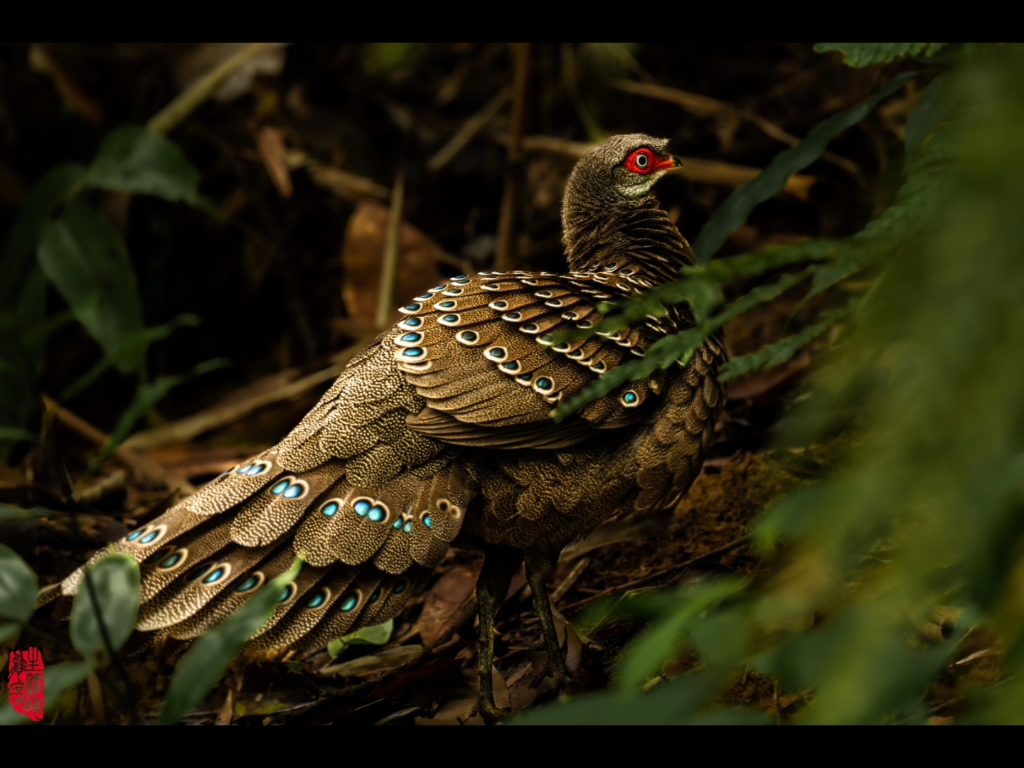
column 25, row 683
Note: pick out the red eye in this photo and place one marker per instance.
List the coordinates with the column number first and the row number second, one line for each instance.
column 641, row 161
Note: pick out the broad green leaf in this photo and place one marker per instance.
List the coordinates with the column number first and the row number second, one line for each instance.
column 130, row 348
column 59, row 678
column 84, row 258
column 48, row 193
column 209, row 657
column 131, row 159
column 378, row 634
column 868, row 54
column 7, row 512
column 18, row 587
column 30, row 317
column 17, row 385
column 734, row 212
column 115, row 580
column 146, row 398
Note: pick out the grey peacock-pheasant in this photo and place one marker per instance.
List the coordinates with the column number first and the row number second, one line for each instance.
column 440, row 433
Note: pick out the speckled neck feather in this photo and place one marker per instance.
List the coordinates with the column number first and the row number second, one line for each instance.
column 602, row 227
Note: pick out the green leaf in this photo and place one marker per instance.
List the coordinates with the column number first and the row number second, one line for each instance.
column 146, row 398
column 15, row 434
column 926, row 117
column 30, row 317
column 60, row 678
column 868, row 54
column 734, row 212
column 378, row 634
column 18, row 587
column 780, row 352
column 17, row 384
column 115, row 579
column 83, row 256
column 7, row 512
column 207, row 660
column 131, row 159
column 646, row 655
column 130, row 348
column 49, row 192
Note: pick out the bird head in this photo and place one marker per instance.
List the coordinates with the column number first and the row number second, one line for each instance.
column 622, row 168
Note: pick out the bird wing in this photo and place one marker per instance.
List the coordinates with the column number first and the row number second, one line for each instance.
column 487, row 355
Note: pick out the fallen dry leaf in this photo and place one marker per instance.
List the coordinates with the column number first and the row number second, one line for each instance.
column 274, row 154
column 386, row 659
column 362, row 255
column 444, row 599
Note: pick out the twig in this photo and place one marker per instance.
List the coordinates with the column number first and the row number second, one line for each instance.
column 168, row 118
column 468, row 131
column 65, row 481
column 228, row 413
column 705, row 106
column 657, row 574
column 344, row 184
column 392, row 249
column 577, row 570
column 505, row 248
column 144, row 468
column 571, row 84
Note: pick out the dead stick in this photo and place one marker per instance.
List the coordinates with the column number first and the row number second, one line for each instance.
column 694, row 168
column 142, row 467
column 392, row 250
column 228, row 413
column 705, row 106
column 657, row 574
column 505, row 251
column 186, row 102
column 468, row 131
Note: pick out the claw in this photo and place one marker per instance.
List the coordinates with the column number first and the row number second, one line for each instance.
column 489, row 711
column 556, row 670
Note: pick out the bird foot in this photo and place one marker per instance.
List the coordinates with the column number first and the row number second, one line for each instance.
column 489, row 711
column 555, row 670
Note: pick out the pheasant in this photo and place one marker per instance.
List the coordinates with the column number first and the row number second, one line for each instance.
column 441, row 434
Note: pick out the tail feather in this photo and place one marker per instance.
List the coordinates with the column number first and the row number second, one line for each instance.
column 265, row 517
column 366, row 552
column 332, row 592
column 197, row 586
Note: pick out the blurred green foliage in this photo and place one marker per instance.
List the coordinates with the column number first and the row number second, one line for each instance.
column 925, row 517
column 102, row 618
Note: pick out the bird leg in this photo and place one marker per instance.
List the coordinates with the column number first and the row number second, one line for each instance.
column 491, row 588
column 540, row 564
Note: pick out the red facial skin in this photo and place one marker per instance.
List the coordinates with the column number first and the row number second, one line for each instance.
column 653, row 162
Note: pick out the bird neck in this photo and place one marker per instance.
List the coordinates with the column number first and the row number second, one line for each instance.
column 631, row 234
